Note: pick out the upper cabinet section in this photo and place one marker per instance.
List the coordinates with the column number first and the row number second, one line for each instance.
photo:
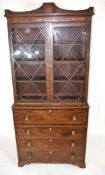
column 49, row 50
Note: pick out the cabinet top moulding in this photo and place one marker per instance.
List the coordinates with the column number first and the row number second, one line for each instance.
column 48, row 9
column 49, row 12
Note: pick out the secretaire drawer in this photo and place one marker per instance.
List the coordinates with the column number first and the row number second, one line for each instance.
column 50, row 116
column 50, row 131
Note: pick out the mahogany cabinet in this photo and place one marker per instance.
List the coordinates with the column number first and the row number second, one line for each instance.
column 49, row 51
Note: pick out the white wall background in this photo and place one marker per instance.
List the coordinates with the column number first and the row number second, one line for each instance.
column 96, row 132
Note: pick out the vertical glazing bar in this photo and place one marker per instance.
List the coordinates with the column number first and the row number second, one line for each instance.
column 49, row 61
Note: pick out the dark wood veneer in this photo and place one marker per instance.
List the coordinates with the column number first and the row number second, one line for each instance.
column 49, row 51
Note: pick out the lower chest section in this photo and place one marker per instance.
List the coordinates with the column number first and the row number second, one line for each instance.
column 51, row 135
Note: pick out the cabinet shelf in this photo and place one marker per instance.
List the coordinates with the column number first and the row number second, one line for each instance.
column 28, row 44
column 69, row 44
column 39, row 61
column 42, row 61
column 64, row 96
column 43, row 81
column 68, row 61
column 79, row 81
column 56, row 79
column 34, row 94
column 38, row 97
column 36, row 79
column 62, row 78
column 21, row 81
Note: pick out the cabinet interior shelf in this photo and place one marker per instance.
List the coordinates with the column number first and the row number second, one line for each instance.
column 34, row 44
column 69, row 61
column 39, row 61
column 21, row 81
column 42, row 81
column 37, row 78
column 36, row 94
column 32, row 97
column 56, row 79
column 43, row 95
column 64, row 97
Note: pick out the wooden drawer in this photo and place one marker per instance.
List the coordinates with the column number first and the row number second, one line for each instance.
column 50, row 131
column 51, row 156
column 63, row 144
column 50, row 116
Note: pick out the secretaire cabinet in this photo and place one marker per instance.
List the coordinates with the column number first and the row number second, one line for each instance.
column 49, row 51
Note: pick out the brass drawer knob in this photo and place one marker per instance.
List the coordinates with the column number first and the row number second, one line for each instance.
column 50, row 140
column 72, row 144
column 74, row 117
column 72, row 156
column 26, row 118
column 29, row 155
column 73, row 132
column 51, row 152
column 28, row 144
column 50, row 129
column 49, row 110
column 28, row 131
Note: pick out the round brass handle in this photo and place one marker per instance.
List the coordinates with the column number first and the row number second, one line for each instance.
column 72, row 144
column 50, row 140
column 26, row 118
column 73, row 132
column 29, row 155
column 74, row 117
column 51, row 152
column 28, row 144
column 72, row 156
column 49, row 110
column 28, row 131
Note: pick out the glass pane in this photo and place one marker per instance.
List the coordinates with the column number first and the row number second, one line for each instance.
column 29, row 62
column 69, row 52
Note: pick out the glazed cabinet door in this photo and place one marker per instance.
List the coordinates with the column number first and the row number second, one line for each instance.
column 28, row 57
column 70, row 61
column 50, row 61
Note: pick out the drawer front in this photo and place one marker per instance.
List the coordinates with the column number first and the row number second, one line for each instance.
column 51, row 156
column 51, row 144
column 50, row 131
column 50, row 116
